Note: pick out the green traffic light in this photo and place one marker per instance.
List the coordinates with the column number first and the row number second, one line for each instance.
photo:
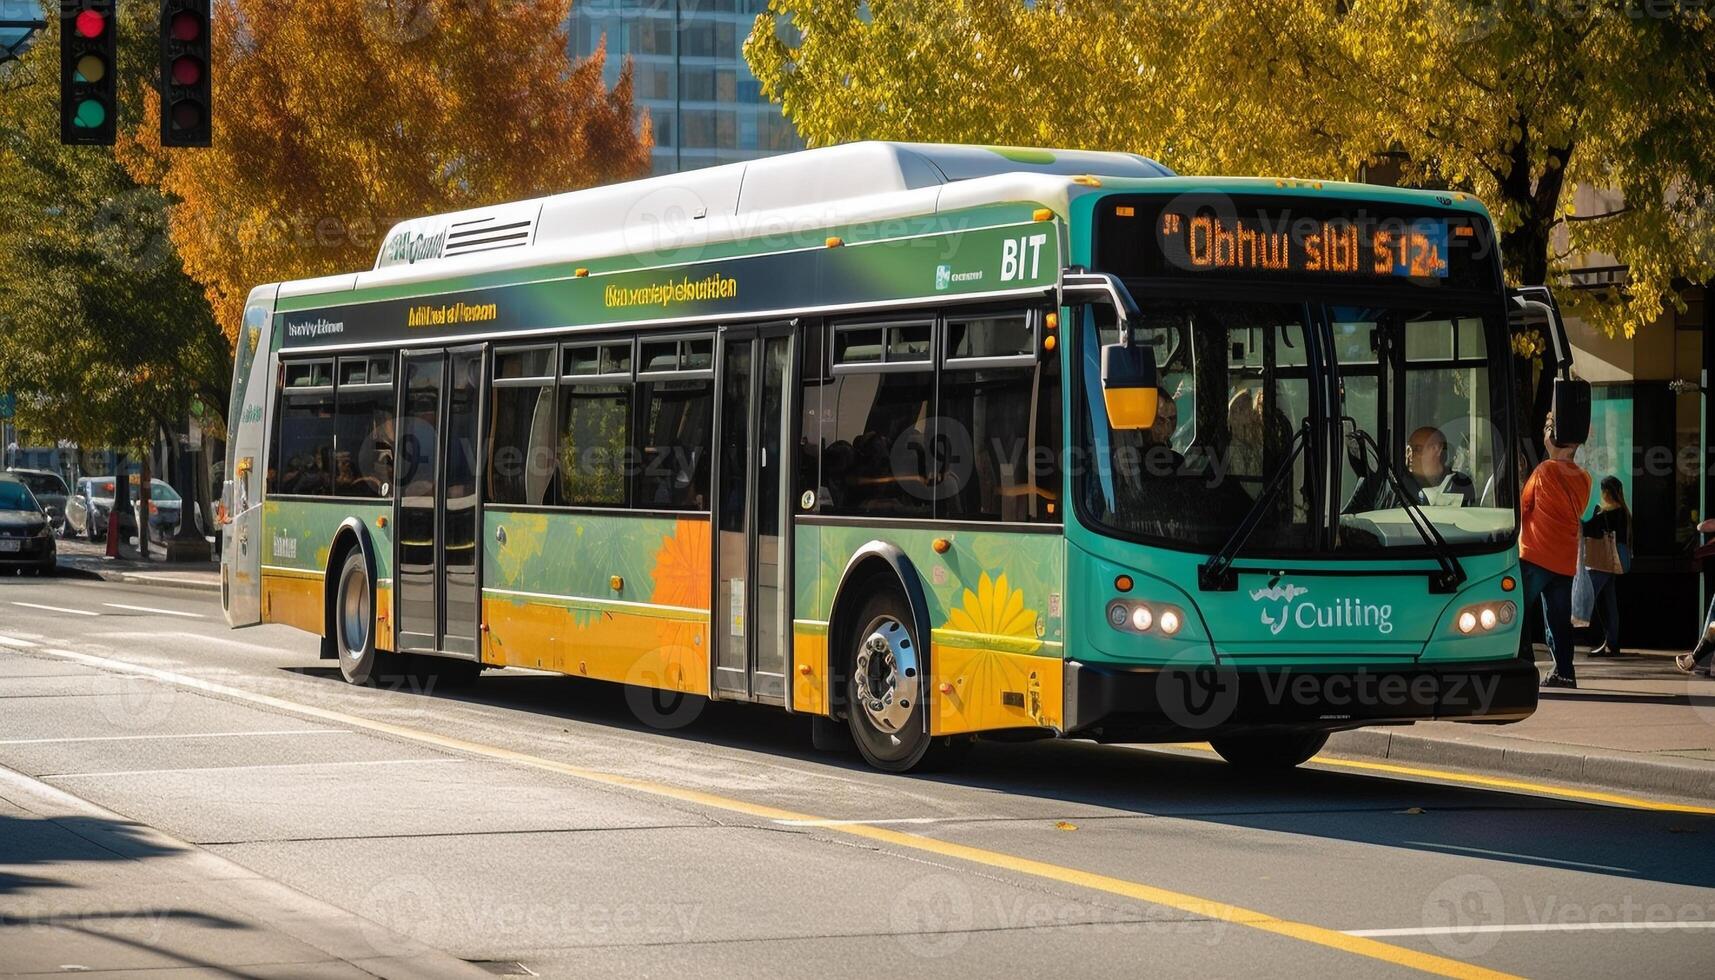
column 90, row 114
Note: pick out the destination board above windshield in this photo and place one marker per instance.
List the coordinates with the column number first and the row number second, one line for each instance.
column 1207, row 236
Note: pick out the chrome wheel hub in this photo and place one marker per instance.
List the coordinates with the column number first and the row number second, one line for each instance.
column 887, row 676
column 354, row 616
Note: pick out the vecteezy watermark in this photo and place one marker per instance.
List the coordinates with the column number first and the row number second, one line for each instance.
column 1204, row 696
column 1458, row 909
column 403, row 913
column 934, row 916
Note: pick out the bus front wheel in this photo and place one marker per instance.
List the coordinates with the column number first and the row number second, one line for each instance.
column 354, row 625
column 885, row 692
column 1269, row 750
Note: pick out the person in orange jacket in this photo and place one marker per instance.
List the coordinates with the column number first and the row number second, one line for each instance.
column 1552, row 507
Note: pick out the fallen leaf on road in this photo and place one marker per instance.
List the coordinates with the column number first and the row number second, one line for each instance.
column 1063, row 825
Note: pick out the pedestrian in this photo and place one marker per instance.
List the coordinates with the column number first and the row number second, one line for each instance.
column 1700, row 656
column 1551, row 505
column 1607, row 555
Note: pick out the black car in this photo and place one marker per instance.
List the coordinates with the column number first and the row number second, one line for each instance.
column 26, row 533
column 50, row 491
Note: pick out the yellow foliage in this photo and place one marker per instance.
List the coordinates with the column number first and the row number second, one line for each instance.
column 1515, row 102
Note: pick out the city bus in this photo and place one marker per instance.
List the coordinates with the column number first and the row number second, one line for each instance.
column 924, row 442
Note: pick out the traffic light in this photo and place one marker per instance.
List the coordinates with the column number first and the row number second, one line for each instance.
column 184, row 73
column 89, row 48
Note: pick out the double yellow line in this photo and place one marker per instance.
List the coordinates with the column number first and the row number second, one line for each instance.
column 1191, row 904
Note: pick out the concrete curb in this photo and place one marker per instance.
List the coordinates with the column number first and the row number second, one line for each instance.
column 1529, row 759
column 162, row 579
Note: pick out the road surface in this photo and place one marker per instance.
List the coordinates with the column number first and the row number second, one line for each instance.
column 535, row 824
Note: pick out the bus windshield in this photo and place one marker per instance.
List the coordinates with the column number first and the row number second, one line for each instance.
column 1419, row 421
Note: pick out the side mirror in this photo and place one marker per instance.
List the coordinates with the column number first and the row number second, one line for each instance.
column 1130, row 385
column 1571, row 411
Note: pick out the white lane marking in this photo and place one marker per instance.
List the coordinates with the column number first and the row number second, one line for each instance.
column 1534, row 927
column 874, row 823
column 182, row 634
column 1515, row 855
column 271, row 765
column 58, row 609
column 152, row 609
column 138, row 738
column 12, row 641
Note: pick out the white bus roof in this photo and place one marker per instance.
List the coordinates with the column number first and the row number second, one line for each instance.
column 825, row 187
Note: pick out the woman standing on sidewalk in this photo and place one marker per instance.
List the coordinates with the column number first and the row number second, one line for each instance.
column 1550, row 506
column 1607, row 546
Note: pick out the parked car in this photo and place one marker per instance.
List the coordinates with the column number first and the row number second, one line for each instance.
column 88, row 506
column 26, row 534
column 50, row 491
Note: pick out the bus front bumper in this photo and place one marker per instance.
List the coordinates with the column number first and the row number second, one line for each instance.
column 1181, row 704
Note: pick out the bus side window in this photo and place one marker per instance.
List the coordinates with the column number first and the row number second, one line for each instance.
column 674, row 419
column 876, row 452
column 304, row 447
column 998, row 422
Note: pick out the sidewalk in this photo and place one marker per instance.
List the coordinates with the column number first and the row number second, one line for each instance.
column 1634, row 724
column 86, row 560
column 85, row 890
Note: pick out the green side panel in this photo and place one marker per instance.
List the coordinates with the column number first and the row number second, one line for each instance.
column 298, row 534
column 879, row 260
column 660, row 560
column 1001, row 584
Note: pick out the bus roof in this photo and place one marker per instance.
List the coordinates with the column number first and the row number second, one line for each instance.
column 754, row 190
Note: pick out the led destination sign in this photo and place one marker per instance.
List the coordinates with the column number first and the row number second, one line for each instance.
column 1274, row 239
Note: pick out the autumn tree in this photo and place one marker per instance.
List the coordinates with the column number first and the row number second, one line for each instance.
column 335, row 118
column 1516, row 101
column 103, row 337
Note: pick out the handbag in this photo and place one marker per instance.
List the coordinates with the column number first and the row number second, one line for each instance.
column 1602, row 553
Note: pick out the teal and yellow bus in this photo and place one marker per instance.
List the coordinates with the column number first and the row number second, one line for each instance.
column 921, row 441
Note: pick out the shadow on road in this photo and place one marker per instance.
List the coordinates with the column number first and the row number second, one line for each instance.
column 1490, row 824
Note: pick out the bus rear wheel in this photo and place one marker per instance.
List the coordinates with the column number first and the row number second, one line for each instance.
column 1269, row 750
column 354, row 625
column 885, row 684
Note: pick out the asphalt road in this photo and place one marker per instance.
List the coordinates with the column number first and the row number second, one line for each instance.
column 568, row 828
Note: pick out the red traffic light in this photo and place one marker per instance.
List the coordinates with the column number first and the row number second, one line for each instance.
column 90, row 24
column 186, row 27
column 187, row 71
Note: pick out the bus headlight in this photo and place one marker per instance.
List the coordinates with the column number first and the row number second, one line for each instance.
column 1484, row 617
column 1143, row 617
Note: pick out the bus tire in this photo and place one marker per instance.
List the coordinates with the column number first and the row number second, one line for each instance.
column 886, row 678
column 354, row 625
column 1269, row 750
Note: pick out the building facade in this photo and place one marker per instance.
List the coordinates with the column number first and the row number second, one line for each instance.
column 690, row 76
column 1650, row 426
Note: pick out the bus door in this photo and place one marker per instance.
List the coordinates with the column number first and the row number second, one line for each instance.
column 751, row 606
column 437, row 516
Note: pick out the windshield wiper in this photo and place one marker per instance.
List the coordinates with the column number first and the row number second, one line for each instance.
column 1216, row 574
column 1452, row 572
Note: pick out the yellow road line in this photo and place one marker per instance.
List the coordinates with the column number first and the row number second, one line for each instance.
column 1192, row 904
column 1493, row 782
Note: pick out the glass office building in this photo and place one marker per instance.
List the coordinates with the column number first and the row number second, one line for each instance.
column 690, row 76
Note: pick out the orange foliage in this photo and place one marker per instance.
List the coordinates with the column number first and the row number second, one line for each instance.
column 335, row 118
